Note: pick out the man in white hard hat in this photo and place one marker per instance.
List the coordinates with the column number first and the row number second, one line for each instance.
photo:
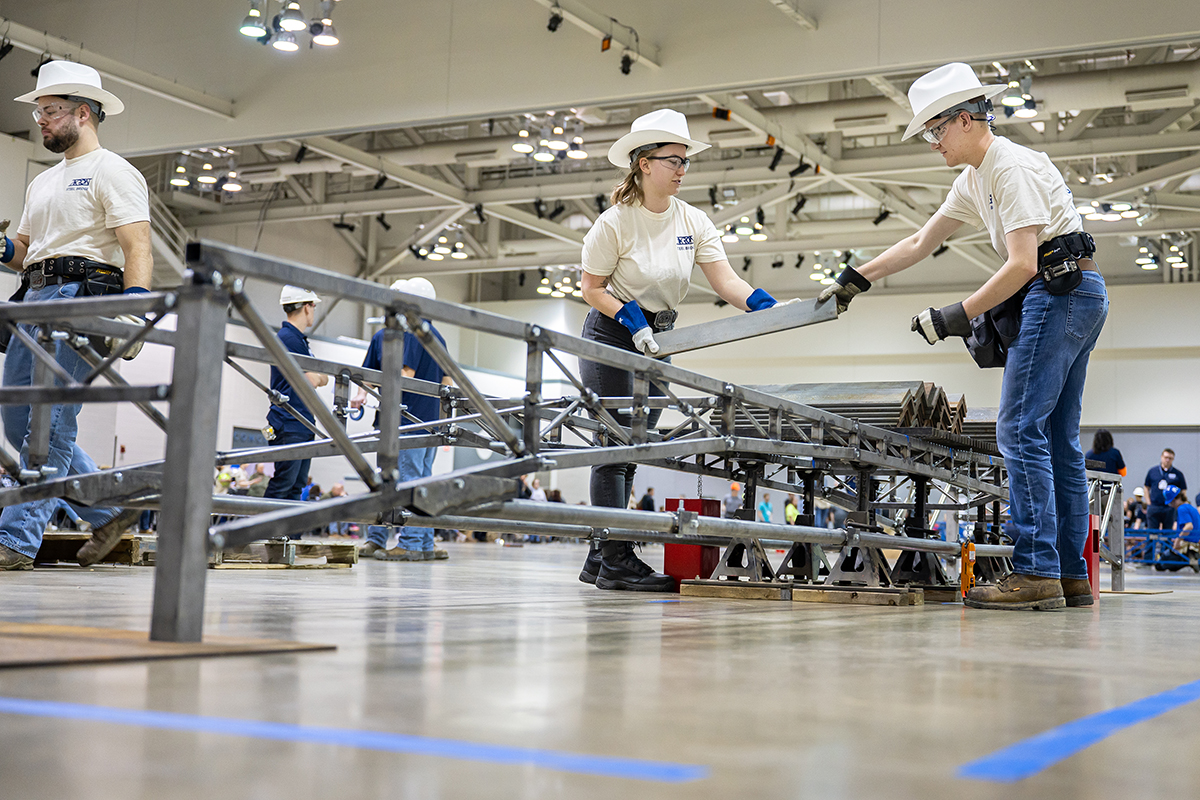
column 1048, row 281
column 415, row 544
column 85, row 231
column 284, row 428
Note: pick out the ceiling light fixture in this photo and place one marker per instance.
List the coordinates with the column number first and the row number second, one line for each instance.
column 253, row 25
column 556, row 18
column 577, row 152
column 729, row 237
column 522, row 144
column 800, row 168
column 940, row 250
column 544, row 154
column 292, row 20
column 285, row 41
column 883, row 215
column 775, row 159
column 321, row 28
column 800, row 203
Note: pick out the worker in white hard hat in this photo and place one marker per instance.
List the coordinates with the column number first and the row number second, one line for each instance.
column 638, row 260
column 1048, row 283
column 415, row 544
column 85, row 230
column 283, row 427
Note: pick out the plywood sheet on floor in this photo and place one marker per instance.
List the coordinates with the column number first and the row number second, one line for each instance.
column 33, row 645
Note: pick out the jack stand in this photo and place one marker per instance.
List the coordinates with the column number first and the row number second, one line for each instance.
column 744, row 558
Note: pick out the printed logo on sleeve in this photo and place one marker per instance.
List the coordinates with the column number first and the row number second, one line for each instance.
column 684, row 243
column 79, row 185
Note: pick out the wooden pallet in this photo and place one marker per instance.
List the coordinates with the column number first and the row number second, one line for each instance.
column 736, row 590
column 858, row 595
column 294, row 554
column 63, row 545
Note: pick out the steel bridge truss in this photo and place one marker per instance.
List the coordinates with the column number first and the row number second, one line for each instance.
column 890, row 483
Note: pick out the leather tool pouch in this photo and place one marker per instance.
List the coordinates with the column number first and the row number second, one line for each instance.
column 1058, row 261
column 993, row 332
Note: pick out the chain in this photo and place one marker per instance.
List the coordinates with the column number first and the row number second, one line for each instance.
column 699, row 486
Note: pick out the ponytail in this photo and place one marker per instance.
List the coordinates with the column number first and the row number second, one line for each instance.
column 629, row 190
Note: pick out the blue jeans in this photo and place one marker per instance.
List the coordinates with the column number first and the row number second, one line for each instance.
column 416, row 462
column 1041, row 399
column 290, row 476
column 22, row 526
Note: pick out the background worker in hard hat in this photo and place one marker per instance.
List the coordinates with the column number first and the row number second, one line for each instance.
column 1020, row 197
column 291, row 476
column 416, row 544
column 85, row 231
column 638, row 260
column 732, row 501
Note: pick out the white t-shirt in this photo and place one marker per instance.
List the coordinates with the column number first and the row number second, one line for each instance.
column 648, row 257
column 72, row 208
column 1014, row 187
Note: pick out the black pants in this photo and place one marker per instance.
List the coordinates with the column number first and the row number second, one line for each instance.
column 1160, row 518
column 612, row 483
column 290, row 476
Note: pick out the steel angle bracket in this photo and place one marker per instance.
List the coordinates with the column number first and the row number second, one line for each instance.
column 456, row 495
column 105, row 488
column 745, row 326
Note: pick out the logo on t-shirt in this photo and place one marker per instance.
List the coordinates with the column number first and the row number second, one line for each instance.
column 79, row 184
column 991, row 203
column 684, row 243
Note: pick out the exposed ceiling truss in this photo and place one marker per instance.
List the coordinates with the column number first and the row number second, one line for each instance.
column 1122, row 129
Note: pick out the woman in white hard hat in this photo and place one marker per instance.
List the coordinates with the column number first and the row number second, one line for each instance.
column 637, row 264
column 1050, row 283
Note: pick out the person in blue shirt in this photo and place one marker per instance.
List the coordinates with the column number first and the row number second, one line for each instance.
column 1159, row 516
column 764, row 508
column 416, row 544
column 1103, row 450
column 1187, row 517
column 292, row 476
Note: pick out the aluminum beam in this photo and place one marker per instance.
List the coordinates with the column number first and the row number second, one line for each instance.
column 738, row 328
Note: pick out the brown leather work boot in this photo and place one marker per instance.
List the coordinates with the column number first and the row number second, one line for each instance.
column 1015, row 592
column 105, row 538
column 11, row 559
column 1077, row 592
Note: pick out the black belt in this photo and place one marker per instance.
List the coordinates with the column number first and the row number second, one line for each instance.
column 63, row 269
column 661, row 320
column 1068, row 247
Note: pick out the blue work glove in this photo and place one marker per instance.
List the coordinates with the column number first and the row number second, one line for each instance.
column 758, row 300
column 7, row 251
column 631, row 317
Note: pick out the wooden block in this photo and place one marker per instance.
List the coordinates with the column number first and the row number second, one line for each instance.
column 736, row 590
column 63, row 545
column 334, row 552
column 235, row 565
column 858, row 595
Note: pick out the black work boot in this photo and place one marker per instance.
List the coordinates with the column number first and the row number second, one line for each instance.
column 591, row 567
column 621, row 569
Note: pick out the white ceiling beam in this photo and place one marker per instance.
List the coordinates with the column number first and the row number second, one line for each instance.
column 601, row 25
column 307, row 197
column 792, row 11
column 401, row 174
column 1147, row 177
column 41, row 43
column 889, row 90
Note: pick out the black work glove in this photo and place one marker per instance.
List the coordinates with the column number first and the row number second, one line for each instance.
column 847, row 285
column 936, row 324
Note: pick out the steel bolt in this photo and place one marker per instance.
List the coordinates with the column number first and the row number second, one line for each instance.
column 535, row 331
column 119, row 477
column 76, row 485
column 422, row 492
column 459, row 483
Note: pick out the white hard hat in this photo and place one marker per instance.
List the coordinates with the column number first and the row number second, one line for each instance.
column 665, row 125
column 1139, row 492
column 942, row 89
column 418, row 286
column 294, row 294
column 63, row 78
column 399, row 285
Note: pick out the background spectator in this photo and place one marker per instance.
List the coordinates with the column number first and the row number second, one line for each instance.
column 1135, row 509
column 1160, row 516
column 732, row 501
column 647, row 502
column 764, row 508
column 1103, row 450
column 790, row 510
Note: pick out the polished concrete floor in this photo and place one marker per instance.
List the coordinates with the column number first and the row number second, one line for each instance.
column 503, row 646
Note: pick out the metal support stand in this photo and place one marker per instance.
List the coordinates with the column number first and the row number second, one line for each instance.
column 744, row 558
column 387, row 457
column 914, row 566
column 182, row 558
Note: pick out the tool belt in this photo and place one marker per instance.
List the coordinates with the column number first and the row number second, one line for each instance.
column 1058, row 261
column 993, row 332
column 98, row 279
column 661, row 320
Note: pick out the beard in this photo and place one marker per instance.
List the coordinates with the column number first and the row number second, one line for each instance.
column 63, row 141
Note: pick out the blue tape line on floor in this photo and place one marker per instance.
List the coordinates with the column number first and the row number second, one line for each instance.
column 634, row 769
column 1033, row 755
